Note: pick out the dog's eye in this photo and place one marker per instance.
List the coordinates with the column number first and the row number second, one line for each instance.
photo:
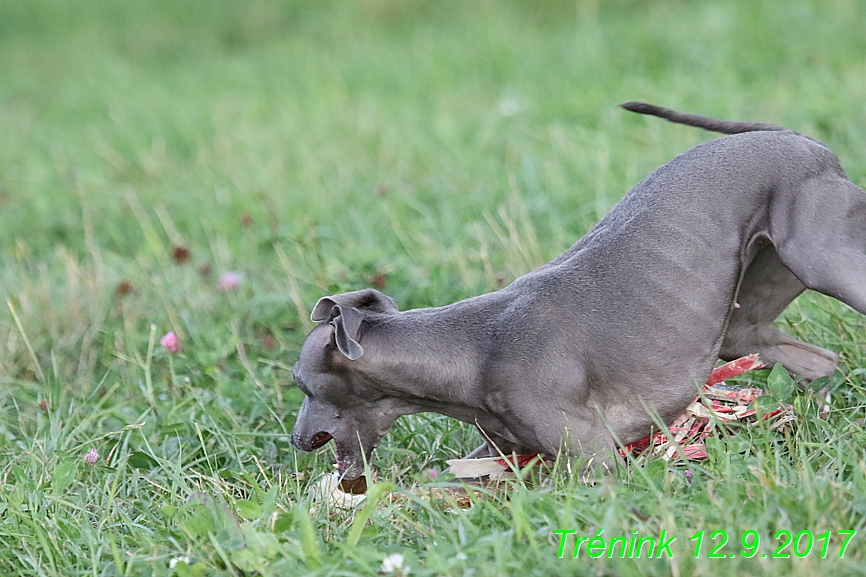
column 300, row 384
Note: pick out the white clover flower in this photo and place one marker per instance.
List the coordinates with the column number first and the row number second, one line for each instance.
column 176, row 560
column 393, row 563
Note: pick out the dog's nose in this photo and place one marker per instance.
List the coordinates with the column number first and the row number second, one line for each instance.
column 296, row 441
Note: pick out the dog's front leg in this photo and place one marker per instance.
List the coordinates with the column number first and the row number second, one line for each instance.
column 481, row 451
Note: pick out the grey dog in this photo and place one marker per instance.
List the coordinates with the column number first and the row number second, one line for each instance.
column 694, row 264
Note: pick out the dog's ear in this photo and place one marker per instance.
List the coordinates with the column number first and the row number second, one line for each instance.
column 367, row 299
column 346, row 312
column 347, row 322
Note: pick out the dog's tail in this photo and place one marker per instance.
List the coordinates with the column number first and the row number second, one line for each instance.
column 711, row 124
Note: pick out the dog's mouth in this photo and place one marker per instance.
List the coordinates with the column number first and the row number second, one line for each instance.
column 319, row 439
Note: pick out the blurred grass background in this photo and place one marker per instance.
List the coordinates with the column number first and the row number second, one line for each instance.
column 434, row 150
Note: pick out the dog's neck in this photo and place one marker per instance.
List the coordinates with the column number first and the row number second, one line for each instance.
column 427, row 355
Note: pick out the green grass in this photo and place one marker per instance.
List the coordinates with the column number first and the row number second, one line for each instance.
column 435, row 150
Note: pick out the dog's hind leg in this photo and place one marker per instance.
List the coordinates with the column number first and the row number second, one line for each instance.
column 766, row 289
column 822, row 239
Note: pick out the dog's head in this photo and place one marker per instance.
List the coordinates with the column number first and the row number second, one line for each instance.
column 342, row 404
